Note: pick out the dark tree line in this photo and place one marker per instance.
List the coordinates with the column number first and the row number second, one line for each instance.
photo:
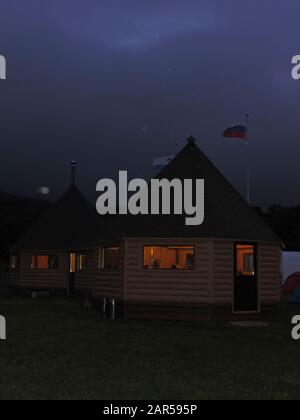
column 285, row 221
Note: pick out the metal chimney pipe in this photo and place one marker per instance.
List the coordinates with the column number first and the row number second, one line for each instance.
column 73, row 172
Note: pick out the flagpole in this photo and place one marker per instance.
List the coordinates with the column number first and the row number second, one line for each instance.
column 248, row 160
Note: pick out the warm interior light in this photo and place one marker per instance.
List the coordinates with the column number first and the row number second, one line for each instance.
column 44, row 262
column 72, row 263
column 168, row 257
column 245, row 260
column 81, row 264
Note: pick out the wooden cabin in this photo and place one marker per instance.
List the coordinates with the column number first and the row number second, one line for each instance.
column 44, row 259
column 156, row 267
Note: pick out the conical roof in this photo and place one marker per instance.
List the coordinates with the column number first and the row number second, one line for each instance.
column 70, row 223
column 227, row 214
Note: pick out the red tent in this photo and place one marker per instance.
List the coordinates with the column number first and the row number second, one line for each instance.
column 291, row 284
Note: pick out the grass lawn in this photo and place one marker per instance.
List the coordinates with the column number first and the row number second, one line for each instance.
column 55, row 350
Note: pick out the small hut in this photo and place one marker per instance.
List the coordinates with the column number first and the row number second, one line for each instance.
column 44, row 259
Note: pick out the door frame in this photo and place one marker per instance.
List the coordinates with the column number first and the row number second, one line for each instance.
column 256, row 265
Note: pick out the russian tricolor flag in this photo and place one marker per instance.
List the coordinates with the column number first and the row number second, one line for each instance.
column 236, row 131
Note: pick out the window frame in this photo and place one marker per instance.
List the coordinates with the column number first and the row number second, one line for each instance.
column 14, row 258
column 248, row 261
column 255, row 257
column 81, row 260
column 49, row 256
column 101, row 258
column 257, row 275
column 172, row 270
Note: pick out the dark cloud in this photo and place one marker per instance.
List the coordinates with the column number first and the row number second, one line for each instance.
column 115, row 83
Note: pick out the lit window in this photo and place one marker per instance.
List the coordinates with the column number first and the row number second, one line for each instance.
column 245, row 260
column 13, row 262
column 81, row 262
column 110, row 258
column 169, row 257
column 72, row 263
column 44, row 262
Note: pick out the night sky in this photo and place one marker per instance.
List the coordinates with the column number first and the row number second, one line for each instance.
column 116, row 83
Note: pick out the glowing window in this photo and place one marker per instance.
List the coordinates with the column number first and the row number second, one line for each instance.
column 110, row 258
column 81, row 262
column 169, row 257
column 245, row 265
column 72, row 263
column 44, row 262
